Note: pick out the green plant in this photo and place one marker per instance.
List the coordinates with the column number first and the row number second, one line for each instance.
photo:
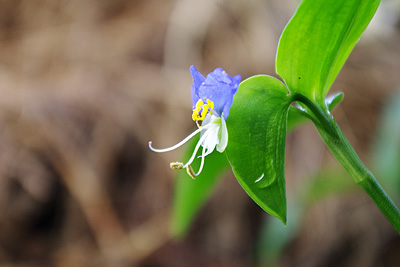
column 311, row 52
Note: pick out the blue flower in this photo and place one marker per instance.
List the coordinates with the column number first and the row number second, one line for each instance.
column 212, row 98
column 218, row 87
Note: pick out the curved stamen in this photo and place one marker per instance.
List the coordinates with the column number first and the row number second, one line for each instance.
column 196, row 149
column 202, row 162
column 180, row 143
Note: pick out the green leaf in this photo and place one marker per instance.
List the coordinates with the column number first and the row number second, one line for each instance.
column 333, row 100
column 256, row 148
column 317, row 41
column 190, row 195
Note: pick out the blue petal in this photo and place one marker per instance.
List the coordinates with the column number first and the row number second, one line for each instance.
column 198, row 79
column 219, row 87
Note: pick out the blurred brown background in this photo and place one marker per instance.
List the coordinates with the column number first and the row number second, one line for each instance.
column 86, row 84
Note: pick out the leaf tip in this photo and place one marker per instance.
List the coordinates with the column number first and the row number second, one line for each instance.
column 281, row 217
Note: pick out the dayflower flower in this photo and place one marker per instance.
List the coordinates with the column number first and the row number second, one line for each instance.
column 212, row 98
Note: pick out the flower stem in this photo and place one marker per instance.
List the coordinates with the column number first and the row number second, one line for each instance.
column 345, row 154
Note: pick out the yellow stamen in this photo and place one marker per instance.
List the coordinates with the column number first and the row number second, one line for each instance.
column 199, row 103
column 176, row 165
column 204, row 112
column 195, row 114
column 190, row 171
column 204, row 108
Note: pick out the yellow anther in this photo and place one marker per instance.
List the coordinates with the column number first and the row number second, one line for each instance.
column 176, row 165
column 199, row 103
column 190, row 171
column 195, row 114
column 204, row 108
column 204, row 112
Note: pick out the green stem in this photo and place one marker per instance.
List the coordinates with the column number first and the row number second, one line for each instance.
column 345, row 154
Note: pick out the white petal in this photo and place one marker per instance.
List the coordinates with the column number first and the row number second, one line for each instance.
column 207, row 119
column 223, row 136
column 212, row 140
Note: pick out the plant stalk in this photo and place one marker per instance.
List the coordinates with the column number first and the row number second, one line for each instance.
column 345, row 154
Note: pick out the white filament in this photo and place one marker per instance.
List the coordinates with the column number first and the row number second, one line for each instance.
column 180, row 143
column 196, row 149
column 202, row 162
